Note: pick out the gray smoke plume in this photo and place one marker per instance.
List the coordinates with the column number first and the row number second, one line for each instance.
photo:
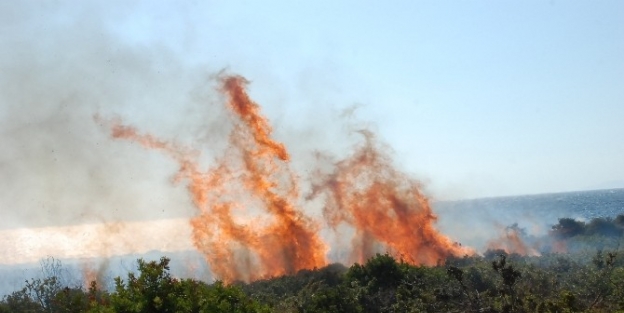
column 59, row 67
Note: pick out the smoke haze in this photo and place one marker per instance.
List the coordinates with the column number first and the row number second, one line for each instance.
column 57, row 167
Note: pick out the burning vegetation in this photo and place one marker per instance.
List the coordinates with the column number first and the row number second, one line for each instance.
column 250, row 222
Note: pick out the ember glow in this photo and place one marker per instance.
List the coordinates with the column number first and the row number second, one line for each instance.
column 250, row 223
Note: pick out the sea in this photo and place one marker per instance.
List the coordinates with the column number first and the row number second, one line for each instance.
column 475, row 221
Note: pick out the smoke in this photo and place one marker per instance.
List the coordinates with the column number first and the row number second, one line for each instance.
column 58, row 68
column 66, row 189
column 514, row 239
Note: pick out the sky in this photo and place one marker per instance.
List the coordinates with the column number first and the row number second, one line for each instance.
column 480, row 98
column 475, row 99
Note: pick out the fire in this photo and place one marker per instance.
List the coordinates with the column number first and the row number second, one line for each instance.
column 511, row 241
column 385, row 206
column 248, row 225
column 92, row 276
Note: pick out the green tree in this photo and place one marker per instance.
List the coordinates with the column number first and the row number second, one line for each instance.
column 154, row 290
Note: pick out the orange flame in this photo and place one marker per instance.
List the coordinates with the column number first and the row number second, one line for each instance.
column 511, row 242
column 92, row 274
column 248, row 226
column 385, row 206
column 253, row 175
column 89, row 275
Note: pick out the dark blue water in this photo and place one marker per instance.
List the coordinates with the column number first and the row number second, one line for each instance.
column 476, row 221
column 580, row 205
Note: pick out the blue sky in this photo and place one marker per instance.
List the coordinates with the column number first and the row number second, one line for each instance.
column 476, row 98
column 479, row 98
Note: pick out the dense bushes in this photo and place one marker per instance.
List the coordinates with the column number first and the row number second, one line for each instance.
column 497, row 283
column 604, row 226
column 505, row 283
column 153, row 290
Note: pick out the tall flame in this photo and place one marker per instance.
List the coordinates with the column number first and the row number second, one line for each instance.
column 385, row 206
column 248, row 226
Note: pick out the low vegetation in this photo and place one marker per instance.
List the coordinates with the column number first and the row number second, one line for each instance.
column 588, row 279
